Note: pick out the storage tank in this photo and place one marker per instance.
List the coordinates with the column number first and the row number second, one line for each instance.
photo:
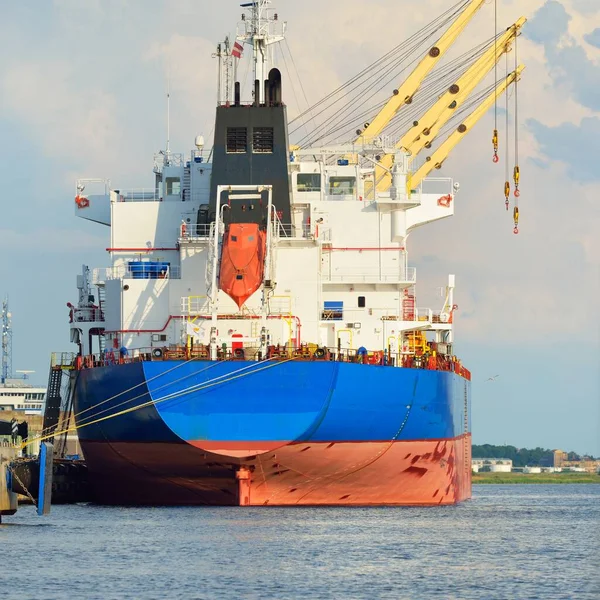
column 500, row 468
column 532, row 469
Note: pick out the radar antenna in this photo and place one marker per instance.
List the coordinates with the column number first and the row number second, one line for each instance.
column 25, row 374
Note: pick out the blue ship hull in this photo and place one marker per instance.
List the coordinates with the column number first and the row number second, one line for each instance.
column 191, row 432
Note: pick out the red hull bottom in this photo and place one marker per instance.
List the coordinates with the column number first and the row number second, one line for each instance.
column 410, row 473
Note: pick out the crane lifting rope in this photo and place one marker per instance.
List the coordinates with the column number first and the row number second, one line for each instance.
column 436, row 160
column 404, row 94
column 424, row 131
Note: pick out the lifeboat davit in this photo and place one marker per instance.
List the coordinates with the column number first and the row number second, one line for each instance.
column 242, row 261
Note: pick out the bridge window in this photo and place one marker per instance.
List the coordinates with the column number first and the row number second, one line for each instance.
column 308, row 182
column 237, row 140
column 173, row 186
column 342, row 186
column 333, row 311
column 262, row 140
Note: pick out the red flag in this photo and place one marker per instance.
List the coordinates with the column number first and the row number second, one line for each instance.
column 237, row 50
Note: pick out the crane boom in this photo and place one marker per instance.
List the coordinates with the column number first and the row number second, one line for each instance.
column 427, row 128
column 440, row 155
column 444, row 110
column 403, row 95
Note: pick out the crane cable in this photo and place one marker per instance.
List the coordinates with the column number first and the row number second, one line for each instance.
column 358, row 100
column 79, row 414
column 495, row 135
column 516, row 172
column 385, row 58
column 428, row 94
column 507, row 182
column 51, row 431
column 441, row 79
column 186, row 391
column 383, row 79
column 147, row 393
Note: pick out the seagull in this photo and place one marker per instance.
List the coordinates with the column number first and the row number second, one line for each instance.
column 492, row 378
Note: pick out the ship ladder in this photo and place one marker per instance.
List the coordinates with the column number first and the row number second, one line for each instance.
column 466, row 431
column 53, row 402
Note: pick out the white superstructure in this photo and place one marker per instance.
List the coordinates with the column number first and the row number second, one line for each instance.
column 342, row 275
column 337, row 276
column 20, row 397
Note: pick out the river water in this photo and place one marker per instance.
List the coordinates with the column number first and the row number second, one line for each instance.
column 509, row 542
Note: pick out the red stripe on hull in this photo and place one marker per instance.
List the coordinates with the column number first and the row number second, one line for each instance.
column 426, row 472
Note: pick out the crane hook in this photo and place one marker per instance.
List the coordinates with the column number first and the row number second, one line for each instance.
column 495, row 159
column 516, row 177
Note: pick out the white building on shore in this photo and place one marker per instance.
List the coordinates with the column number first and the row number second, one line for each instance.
column 491, row 465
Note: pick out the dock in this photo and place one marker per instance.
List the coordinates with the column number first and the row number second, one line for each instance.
column 8, row 498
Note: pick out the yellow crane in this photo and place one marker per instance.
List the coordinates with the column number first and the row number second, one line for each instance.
column 427, row 128
column 404, row 94
column 436, row 160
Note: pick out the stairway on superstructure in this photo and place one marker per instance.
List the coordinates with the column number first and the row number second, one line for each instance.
column 187, row 185
column 101, row 301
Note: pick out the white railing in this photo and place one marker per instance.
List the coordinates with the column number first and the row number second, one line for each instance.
column 173, row 160
column 437, row 185
column 136, row 195
column 323, row 233
column 357, row 275
column 304, row 231
column 100, row 275
column 83, row 183
column 341, row 197
column 424, row 315
column 190, row 232
column 291, row 231
column 280, row 305
column 195, row 306
column 87, row 315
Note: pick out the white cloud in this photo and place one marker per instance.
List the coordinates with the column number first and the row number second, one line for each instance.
column 71, row 120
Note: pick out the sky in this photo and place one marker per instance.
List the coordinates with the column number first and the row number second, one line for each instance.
column 82, row 94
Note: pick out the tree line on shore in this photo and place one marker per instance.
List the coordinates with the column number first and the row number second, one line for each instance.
column 521, row 457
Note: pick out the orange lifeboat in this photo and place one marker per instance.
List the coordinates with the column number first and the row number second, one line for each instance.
column 242, row 261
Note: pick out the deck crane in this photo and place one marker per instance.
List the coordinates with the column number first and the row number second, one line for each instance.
column 404, row 94
column 439, row 156
column 424, row 131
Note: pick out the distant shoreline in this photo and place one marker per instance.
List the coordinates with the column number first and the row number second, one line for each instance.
column 533, row 478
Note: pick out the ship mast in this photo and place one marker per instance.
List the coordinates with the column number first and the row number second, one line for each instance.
column 261, row 30
column 6, row 372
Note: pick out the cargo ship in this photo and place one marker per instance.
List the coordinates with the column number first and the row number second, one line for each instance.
column 256, row 339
